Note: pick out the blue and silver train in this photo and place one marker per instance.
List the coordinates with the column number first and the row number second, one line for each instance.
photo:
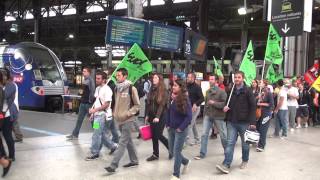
column 38, row 73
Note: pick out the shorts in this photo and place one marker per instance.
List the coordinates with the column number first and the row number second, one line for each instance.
column 303, row 111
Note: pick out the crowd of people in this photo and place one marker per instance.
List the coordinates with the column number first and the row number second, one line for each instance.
column 229, row 110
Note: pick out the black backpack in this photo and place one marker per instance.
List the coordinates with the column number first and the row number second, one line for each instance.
column 140, row 88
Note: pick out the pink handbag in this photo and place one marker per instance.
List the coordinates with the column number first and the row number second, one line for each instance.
column 145, row 132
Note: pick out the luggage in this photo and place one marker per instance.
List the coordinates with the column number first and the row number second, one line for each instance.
column 145, row 132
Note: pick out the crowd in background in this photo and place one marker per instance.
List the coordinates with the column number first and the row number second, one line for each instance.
column 229, row 110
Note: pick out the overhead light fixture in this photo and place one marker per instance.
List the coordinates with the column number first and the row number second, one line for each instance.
column 4, row 40
column 71, row 36
column 251, row 18
column 242, row 11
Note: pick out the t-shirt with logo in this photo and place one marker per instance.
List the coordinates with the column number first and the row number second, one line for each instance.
column 103, row 94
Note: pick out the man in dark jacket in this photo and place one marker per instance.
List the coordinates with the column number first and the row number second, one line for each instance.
column 240, row 114
column 196, row 98
column 87, row 98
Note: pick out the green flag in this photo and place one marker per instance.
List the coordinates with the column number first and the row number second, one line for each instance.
column 136, row 62
column 217, row 68
column 248, row 67
column 274, row 73
column 273, row 52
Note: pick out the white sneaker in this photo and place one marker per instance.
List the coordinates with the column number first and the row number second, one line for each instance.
column 291, row 129
column 174, row 178
column 306, row 125
column 186, row 167
column 298, row 127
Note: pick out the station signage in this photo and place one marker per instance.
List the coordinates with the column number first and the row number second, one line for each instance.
column 287, row 17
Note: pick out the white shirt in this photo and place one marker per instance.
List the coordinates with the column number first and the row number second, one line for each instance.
column 102, row 95
column 294, row 92
column 283, row 93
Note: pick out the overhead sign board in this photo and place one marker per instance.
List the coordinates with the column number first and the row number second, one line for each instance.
column 287, row 17
column 195, row 45
column 126, row 31
column 165, row 37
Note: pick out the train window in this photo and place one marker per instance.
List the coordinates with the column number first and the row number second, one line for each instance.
column 46, row 64
column 37, row 74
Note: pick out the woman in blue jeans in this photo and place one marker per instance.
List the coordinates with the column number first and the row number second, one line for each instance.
column 266, row 103
column 178, row 118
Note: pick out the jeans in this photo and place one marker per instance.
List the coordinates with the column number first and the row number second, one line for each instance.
column 7, row 134
column 99, row 135
column 16, row 130
column 176, row 141
column 193, row 125
column 281, row 120
column 157, row 134
column 114, row 131
column 83, row 112
column 233, row 130
column 292, row 111
column 262, row 127
column 125, row 142
column 207, row 125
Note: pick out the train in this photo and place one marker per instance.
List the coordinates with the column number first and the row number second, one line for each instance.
column 38, row 73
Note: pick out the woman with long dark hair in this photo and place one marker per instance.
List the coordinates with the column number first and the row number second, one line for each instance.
column 155, row 113
column 11, row 113
column 178, row 119
column 4, row 162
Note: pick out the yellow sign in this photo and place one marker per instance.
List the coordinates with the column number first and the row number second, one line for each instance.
column 316, row 84
column 286, row 7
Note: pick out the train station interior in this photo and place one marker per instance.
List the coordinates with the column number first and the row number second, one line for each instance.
column 75, row 34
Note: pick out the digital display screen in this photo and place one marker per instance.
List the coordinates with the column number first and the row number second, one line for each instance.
column 126, row 31
column 164, row 37
column 195, row 45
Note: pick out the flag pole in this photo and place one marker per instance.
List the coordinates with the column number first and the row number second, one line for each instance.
column 230, row 95
column 263, row 69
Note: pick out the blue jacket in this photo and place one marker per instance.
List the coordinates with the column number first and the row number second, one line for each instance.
column 176, row 119
column 10, row 94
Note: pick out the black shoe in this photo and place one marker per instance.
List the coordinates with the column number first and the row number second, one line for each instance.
column 92, row 157
column 131, row 164
column 139, row 136
column 110, row 169
column 152, row 158
column 6, row 170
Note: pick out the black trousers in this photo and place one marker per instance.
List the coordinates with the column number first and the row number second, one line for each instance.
column 7, row 134
column 157, row 134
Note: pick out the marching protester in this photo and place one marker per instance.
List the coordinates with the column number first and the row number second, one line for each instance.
column 11, row 113
column 196, row 98
column 281, row 110
column 156, row 114
column 215, row 100
column 4, row 161
column 87, row 98
column 303, row 110
column 240, row 117
column 293, row 96
column 126, row 107
column 101, row 115
column 266, row 103
column 178, row 118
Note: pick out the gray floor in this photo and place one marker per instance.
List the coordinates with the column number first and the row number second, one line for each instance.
column 43, row 157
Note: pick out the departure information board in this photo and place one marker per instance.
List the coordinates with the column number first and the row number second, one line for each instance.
column 126, row 31
column 164, row 37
